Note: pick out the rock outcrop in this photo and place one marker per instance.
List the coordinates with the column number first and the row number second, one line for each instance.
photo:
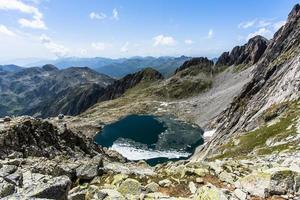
column 129, row 81
column 201, row 63
column 275, row 84
column 26, row 136
column 248, row 54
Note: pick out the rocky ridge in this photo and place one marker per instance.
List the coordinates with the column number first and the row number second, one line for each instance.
column 270, row 98
column 254, row 153
column 248, row 54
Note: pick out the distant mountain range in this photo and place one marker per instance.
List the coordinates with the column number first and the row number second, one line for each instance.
column 47, row 89
column 10, row 68
column 118, row 67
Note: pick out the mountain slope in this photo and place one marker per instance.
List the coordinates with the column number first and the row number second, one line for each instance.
column 10, row 68
column 26, row 91
column 270, row 99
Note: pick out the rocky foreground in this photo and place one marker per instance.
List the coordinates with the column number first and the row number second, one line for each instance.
column 46, row 162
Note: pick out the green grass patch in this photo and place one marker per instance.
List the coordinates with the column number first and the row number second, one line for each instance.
column 240, row 67
column 256, row 140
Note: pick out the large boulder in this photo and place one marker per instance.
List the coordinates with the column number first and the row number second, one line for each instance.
column 43, row 186
column 151, row 187
column 6, row 188
column 130, row 187
column 6, row 170
column 210, row 192
column 275, row 181
column 90, row 169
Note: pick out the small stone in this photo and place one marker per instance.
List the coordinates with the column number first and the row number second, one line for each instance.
column 118, row 179
column 165, row 183
column 210, row 192
column 199, row 180
column 60, row 116
column 6, row 119
column 192, row 187
column 226, row 177
column 201, row 171
column 77, row 193
column 240, row 194
column 151, row 187
column 109, row 194
column 155, row 195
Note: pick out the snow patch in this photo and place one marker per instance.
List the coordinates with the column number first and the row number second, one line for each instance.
column 133, row 153
column 209, row 133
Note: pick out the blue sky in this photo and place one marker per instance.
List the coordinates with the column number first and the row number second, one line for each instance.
column 125, row 28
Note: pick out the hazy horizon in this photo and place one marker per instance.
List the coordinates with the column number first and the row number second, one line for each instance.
column 43, row 30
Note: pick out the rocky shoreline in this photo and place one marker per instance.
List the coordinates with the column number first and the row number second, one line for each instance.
column 90, row 172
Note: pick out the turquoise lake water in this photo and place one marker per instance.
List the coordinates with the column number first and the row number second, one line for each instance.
column 155, row 139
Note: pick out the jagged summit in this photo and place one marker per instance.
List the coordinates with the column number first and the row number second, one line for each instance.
column 249, row 53
column 200, row 62
column 294, row 14
column 273, row 91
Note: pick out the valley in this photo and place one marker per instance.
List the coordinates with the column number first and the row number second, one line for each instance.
column 160, row 128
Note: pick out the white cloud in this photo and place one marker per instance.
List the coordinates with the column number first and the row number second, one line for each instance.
column 164, row 40
column 188, row 41
column 115, row 14
column 37, row 21
column 124, row 48
column 263, row 23
column 278, row 25
column 247, row 24
column 101, row 46
column 210, row 33
column 57, row 49
column 4, row 30
column 262, row 31
column 100, row 16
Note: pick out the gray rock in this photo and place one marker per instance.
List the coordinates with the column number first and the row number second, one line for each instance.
column 6, row 188
column 77, row 193
column 15, row 178
column 282, row 182
column 226, row 177
column 109, row 194
column 199, row 180
column 210, row 192
column 6, row 119
column 192, row 187
column 156, row 195
column 151, row 187
column 241, row 195
column 89, row 170
column 7, row 170
column 130, row 186
column 165, row 183
column 255, row 184
column 43, row 186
